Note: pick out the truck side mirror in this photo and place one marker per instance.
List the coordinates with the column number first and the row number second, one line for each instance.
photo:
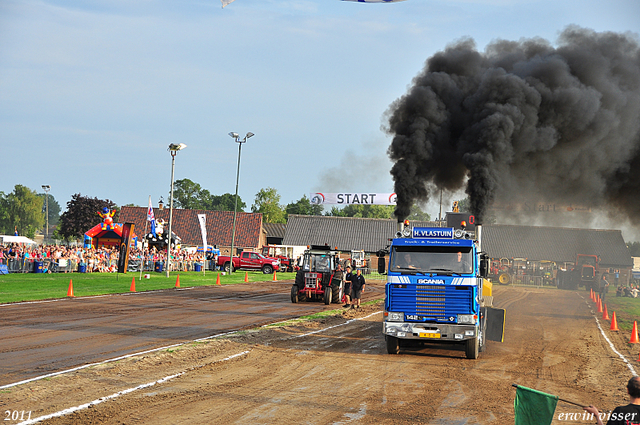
column 382, row 265
column 484, row 266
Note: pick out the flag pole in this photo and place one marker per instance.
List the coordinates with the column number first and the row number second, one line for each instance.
column 559, row 399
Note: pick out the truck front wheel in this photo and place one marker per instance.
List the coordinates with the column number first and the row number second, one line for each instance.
column 267, row 269
column 393, row 344
column 472, row 348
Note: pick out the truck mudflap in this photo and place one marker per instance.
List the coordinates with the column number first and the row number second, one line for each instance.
column 495, row 319
column 433, row 332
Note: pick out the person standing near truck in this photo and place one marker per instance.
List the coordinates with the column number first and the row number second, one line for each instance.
column 604, row 286
column 347, row 287
column 357, row 286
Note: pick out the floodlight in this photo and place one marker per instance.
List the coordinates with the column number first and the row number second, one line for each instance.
column 249, row 134
column 234, row 135
column 174, row 147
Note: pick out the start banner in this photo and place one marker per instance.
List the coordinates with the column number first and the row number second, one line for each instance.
column 353, row 198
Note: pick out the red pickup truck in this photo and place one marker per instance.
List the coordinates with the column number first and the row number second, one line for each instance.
column 250, row 260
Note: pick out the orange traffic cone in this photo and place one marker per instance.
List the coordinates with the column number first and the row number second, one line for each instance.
column 218, row 279
column 70, row 290
column 614, row 323
column 275, row 279
column 246, row 276
column 634, row 334
column 133, row 285
column 178, row 282
column 605, row 315
column 599, row 306
column 592, row 293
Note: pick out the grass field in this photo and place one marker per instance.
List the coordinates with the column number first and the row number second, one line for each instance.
column 31, row 286
column 627, row 310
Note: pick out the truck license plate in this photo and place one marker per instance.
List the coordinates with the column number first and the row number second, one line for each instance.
column 429, row 335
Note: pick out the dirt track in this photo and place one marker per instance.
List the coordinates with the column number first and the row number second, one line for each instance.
column 336, row 370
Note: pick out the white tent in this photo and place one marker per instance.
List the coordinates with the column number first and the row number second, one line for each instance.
column 5, row 239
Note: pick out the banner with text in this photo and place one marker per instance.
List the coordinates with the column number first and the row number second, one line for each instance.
column 125, row 244
column 353, row 198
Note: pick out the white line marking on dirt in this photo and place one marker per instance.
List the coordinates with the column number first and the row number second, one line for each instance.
column 613, row 348
column 126, row 356
column 116, row 395
column 335, row 326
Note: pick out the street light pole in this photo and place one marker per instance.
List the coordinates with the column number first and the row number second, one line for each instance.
column 235, row 208
column 173, row 149
column 46, row 188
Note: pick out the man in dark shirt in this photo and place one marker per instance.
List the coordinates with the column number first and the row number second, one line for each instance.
column 357, row 286
column 622, row 415
column 347, row 287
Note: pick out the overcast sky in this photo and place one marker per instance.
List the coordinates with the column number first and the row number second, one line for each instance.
column 93, row 92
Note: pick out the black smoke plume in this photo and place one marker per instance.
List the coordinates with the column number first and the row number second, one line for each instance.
column 558, row 124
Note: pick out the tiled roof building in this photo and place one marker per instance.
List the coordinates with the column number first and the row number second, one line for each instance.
column 345, row 233
column 249, row 232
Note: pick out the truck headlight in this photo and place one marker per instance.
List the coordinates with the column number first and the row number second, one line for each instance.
column 467, row 318
column 393, row 316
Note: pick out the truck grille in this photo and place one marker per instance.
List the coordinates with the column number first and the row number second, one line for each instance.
column 431, row 302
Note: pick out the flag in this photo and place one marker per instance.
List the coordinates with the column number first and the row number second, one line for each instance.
column 202, row 218
column 533, row 407
column 226, row 2
column 152, row 219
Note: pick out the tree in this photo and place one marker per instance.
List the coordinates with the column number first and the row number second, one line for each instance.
column 267, row 202
column 21, row 211
column 81, row 215
column 417, row 214
column 191, row 196
column 363, row 211
column 226, row 202
column 634, row 249
column 303, row 207
column 188, row 195
column 54, row 208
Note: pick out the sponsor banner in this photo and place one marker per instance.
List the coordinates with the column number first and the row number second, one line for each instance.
column 320, row 198
column 125, row 243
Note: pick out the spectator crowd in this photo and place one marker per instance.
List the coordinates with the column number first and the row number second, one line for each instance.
column 22, row 258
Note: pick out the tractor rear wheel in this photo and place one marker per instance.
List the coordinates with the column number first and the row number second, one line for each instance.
column 504, row 278
column 337, row 293
column 294, row 294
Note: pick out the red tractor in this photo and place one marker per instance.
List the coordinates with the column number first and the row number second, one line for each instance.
column 315, row 280
column 585, row 272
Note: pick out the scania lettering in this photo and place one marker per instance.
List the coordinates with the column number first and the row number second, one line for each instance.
column 436, row 290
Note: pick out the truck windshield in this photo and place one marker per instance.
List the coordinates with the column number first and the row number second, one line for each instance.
column 431, row 259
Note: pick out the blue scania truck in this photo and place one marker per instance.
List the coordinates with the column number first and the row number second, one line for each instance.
column 437, row 291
